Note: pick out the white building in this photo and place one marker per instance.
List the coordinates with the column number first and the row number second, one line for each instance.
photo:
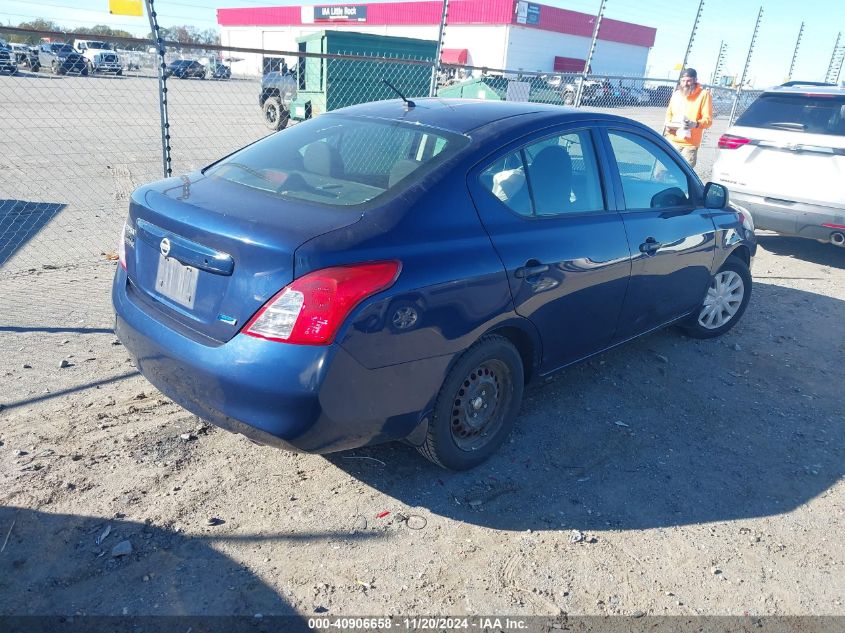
column 496, row 34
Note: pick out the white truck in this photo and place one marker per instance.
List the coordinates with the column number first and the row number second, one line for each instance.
column 100, row 56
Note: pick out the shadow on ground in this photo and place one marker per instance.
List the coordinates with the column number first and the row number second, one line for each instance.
column 666, row 431
column 20, row 221
column 51, row 565
column 807, row 250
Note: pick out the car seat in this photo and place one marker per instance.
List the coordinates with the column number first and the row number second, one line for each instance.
column 550, row 175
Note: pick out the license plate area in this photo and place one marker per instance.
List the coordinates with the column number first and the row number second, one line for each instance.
column 177, row 282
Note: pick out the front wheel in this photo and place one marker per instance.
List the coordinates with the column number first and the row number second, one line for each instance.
column 724, row 303
column 477, row 405
column 275, row 115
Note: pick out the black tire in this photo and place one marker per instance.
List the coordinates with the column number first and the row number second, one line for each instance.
column 696, row 327
column 489, row 375
column 36, row 68
column 54, row 67
column 275, row 115
column 569, row 98
column 119, row 72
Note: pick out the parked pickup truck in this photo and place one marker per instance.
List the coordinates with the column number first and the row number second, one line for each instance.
column 8, row 63
column 278, row 89
column 99, row 56
column 25, row 56
column 61, row 59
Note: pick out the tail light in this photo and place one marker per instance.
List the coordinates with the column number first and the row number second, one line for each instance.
column 729, row 141
column 127, row 236
column 310, row 310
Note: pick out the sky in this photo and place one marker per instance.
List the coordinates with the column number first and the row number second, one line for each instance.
column 731, row 21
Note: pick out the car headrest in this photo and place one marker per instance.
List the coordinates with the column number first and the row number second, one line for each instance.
column 400, row 169
column 320, row 158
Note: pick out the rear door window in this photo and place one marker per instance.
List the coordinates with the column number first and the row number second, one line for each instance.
column 555, row 176
column 813, row 114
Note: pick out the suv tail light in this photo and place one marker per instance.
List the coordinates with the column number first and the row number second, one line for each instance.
column 311, row 309
column 729, row 141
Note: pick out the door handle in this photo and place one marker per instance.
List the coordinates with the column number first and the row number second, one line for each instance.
column 650, row 246
column 532, row 268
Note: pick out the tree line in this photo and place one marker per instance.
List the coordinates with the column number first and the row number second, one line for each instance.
column 184, row 34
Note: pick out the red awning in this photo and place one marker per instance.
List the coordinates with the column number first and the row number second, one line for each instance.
column 569, row 65
column 458, row 56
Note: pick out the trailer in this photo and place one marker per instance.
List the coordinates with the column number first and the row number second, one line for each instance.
column 329, row 83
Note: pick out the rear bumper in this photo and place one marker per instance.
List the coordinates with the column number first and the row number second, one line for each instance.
column 791, row 218
column 107, row 67
column 307, row 398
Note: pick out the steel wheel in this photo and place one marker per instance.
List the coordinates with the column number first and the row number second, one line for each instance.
column 479, row 406
column 723, row 300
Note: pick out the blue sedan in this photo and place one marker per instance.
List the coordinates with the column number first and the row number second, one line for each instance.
column 395, row 271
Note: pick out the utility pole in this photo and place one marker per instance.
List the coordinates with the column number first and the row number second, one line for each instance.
column 747, row 64
column 720, row 60
column 795, row 54
column 836, row 58
column 589, row 59
column 692, row 36
column 432, row 91
column 162, row 90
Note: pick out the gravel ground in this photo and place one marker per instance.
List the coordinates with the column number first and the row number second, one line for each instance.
column 669, row 476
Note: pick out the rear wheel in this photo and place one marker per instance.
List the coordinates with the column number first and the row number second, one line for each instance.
column 724, row 303
column 275, row 116
column 569, row 98
column 477, row 405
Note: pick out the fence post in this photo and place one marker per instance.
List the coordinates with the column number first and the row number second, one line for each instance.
column 795, row 53
column 580, row 92
column 836, row 58
column 162, row 90
column 432, row 91
column 692, row 36
column 720, row 60
column 745, row 69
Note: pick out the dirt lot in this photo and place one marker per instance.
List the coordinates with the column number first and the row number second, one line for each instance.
column 704, row 478
column 670, row 476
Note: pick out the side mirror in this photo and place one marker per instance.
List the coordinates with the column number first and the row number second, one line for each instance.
column 715, row 196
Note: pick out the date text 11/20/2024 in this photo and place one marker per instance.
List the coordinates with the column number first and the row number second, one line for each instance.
column 418, row 624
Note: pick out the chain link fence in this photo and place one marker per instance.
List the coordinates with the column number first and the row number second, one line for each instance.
column 79, row 138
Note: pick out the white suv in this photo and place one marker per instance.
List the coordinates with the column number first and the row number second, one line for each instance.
column 784, row 161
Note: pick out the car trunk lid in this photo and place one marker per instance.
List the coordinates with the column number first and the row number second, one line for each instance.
column 209, row 253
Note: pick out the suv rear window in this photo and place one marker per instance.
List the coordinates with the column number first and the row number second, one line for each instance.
column 813, row 114
column 338, row 160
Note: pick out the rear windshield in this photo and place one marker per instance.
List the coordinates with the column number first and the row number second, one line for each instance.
column 338, row 160
column 814, row 114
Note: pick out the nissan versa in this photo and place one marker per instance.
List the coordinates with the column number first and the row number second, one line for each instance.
column 400, row 271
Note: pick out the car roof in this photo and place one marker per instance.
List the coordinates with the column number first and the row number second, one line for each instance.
column 465, row 115
column 807, row 88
